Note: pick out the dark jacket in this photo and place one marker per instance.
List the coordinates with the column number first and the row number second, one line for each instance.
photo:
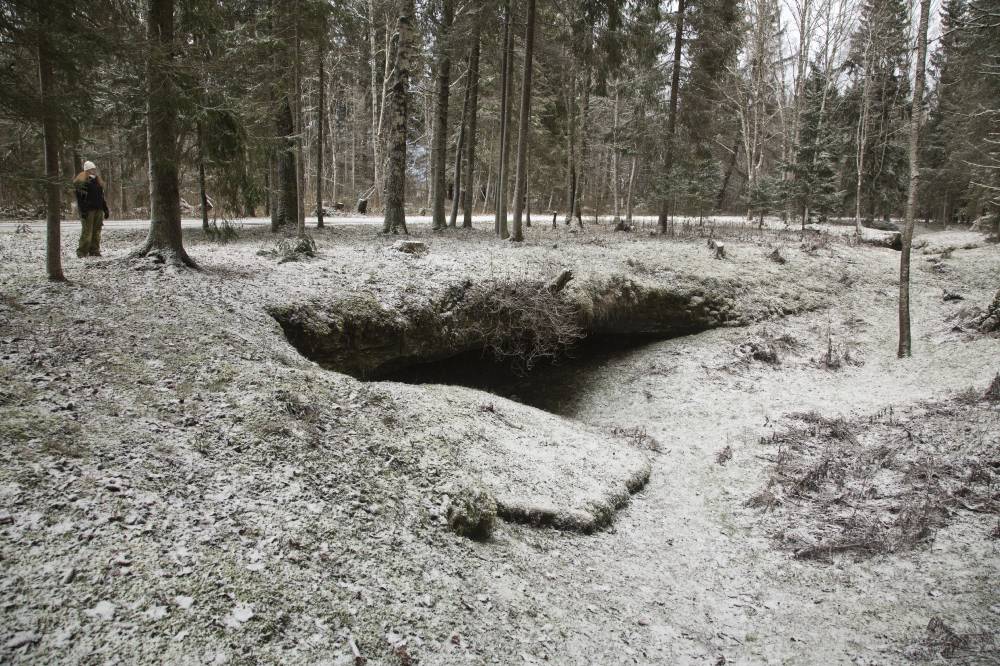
column 90, row 196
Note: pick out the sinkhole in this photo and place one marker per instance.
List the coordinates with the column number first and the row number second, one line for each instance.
column 478, row 335
column 552, row 384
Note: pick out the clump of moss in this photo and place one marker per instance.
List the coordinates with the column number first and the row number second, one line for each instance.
column 473, row 512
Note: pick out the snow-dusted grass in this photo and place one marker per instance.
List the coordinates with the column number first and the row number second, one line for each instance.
column 178, row 484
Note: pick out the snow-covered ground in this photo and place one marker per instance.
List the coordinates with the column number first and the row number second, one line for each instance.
column 178, row 484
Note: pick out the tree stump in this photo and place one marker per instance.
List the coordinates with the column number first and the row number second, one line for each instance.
column 718, row 249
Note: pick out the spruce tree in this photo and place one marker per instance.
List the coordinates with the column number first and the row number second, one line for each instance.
column 946, row 144
column 814, row 188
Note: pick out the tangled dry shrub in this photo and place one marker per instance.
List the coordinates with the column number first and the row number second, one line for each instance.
column 884, row 485
column 942, row 640
column 989, row 320
column 765, row 347
column 286, row 250
column 521, row 321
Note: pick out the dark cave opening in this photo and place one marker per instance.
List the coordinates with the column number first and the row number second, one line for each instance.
column 551, row 385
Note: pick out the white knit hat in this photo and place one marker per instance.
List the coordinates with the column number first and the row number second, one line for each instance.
column 88, row 165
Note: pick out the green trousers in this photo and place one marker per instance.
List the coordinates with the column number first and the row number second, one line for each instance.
column 90, row 235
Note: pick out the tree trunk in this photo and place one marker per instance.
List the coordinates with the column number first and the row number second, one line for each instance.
column 376, row 129
column 50, row 131
column 721, row 199
column 455, row 200
column 527, row 192
column 675, row 82
column 628, row 196
column 320, row 140
column 505, row 123
column 614, row 160
column 395, row 181
column 524, row 129
column 473, row 112
column 439, row 141
column 300, row 177
column 570, row 149
column 581, row 153
column 122, row 199
column 284, row 187
column 911, row 197
column 201, row 177
column 862, row 134
column 287, row 193
column 272, row 201
column 165, row 238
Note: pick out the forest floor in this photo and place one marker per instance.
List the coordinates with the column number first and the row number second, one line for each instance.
column 178, row 484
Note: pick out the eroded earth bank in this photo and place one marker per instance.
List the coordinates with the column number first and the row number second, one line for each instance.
column 255, row 462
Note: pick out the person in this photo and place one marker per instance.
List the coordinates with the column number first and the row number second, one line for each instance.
column 93, row 209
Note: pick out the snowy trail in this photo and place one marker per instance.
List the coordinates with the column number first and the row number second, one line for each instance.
column 544, row 219
column 684, row 577
column 195, row 223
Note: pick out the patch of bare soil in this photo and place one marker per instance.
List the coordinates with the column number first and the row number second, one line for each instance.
column 884, row 484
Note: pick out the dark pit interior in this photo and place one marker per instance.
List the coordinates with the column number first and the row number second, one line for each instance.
column 552, row 385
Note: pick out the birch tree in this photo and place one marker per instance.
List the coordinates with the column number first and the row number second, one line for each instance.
column 911, row 197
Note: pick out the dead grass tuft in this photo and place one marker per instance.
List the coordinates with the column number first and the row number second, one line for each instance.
column 816, row 243
column 765, row 499
column 776, row 256
column 942, row 640
column 993, row 391
column 639, row 438
column 286, row 250
column 766, row 347
column 638, row 266
column 837, row 353
column 297, row 406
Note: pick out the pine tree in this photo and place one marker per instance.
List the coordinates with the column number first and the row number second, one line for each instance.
column 717, row 29
column 983, row 124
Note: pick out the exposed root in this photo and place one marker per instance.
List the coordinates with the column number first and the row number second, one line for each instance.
column 157, row 256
